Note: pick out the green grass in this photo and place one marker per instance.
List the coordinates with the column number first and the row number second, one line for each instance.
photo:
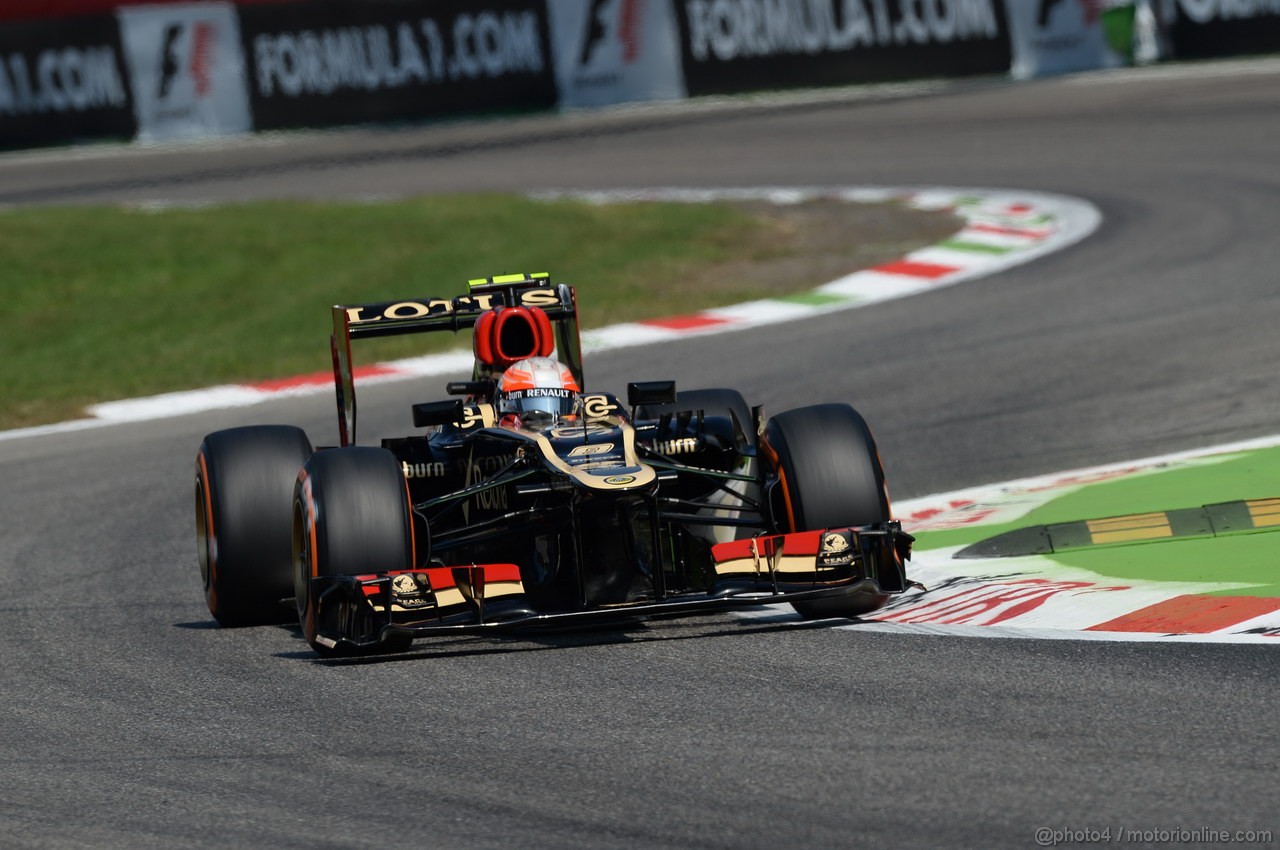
column 1247, row 475
column 1248, row 558
column 104, row 303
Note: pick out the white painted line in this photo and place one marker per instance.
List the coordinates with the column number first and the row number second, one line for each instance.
column 176, row 404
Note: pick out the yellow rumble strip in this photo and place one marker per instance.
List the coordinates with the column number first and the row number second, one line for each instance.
column 1264, row 512
column 1127, row 528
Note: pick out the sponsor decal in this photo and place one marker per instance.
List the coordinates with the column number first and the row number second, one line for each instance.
column 731, row 29
column 1204, row 28
column 735, row 45
column 678, row 446
column 485, row 465
column 1058, row 36
column 1204, row 11
column 62, row 80
column 408, row 310
column 380, row 56
column 472, row 417
column 577, row 432
column 834, row 541
column 837, row 549
column 1092, row 10
column 73, row 79
column 422, row 470
column 619, row 480
column 595, row 464
column 599, row 406
column 599, row 23
column 411, row 591
column 404, row 58
column 540, row 392
column 609, row 51
column 593, row 449
column 187, row 70
column 493, row 499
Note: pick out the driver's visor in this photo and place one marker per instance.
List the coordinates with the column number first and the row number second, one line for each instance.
column 552, row 400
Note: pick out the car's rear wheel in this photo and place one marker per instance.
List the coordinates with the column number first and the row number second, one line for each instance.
column 829, row 475
column 243, row 494
column 351, row 516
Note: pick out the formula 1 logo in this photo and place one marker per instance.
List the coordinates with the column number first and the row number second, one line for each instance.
column 597, row 29
column 619, row 50
column 1092, row 10
column 601, row 25
column 187, row 69
column 199, row 56
column 169, row 60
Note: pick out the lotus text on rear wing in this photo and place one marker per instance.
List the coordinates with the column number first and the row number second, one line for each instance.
column 478, row 303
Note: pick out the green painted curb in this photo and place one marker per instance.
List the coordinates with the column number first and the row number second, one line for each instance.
column 1249, row 558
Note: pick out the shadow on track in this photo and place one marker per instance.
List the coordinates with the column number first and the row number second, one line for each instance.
column 629, row 633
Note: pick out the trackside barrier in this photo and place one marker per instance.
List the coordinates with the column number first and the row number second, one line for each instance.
column 738, row 45
column 323, row 63
column 1205, row 28
column 615, row 51
column 152, row 70
column 63, row 80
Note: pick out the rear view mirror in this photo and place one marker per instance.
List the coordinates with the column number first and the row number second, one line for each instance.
column 430, row 413
column 651, row 392
column 482, row 389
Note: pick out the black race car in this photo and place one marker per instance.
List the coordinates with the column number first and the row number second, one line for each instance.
column 524, row 502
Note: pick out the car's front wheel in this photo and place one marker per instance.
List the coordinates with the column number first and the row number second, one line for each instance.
column 351, row 516
column 829, row 474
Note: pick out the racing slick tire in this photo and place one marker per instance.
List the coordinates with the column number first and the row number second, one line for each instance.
column 829, row 474
column 712, row 402
column 244, row 495
column 351, row 515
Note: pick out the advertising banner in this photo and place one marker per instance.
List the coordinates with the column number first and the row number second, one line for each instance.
column 739, row 45
column 1204, row 28
column 315, row 64
column 1058, row 37
column 62, row 81
column 187, row 70
column 613, row 51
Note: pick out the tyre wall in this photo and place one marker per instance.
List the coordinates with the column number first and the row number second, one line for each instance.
column 89, row 69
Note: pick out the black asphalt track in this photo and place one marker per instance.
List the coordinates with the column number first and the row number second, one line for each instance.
column 128, row 720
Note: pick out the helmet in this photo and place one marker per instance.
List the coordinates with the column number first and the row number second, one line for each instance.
column 537, row 390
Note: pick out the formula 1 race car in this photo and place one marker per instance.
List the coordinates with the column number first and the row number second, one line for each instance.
column 524, row 502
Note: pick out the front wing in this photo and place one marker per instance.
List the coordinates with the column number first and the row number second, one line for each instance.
column 362, row 611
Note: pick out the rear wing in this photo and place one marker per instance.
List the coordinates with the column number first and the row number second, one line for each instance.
column 422, row 315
